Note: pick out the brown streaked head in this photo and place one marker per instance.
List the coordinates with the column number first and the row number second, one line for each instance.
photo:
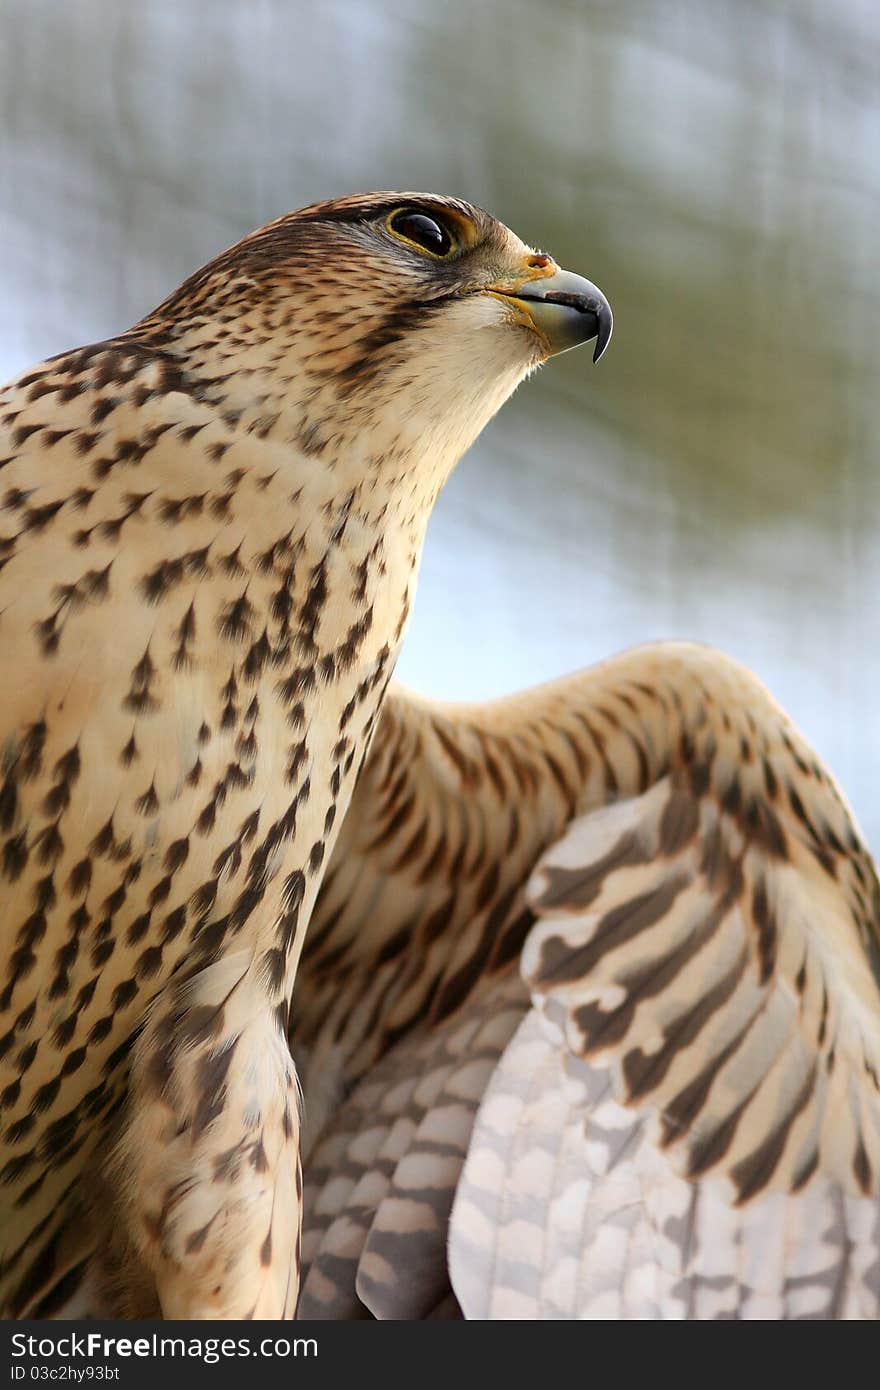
column 423, row 304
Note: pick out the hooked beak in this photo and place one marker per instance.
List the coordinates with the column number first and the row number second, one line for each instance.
column 565, row 310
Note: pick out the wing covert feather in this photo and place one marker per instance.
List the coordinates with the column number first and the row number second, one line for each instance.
column 725, row 986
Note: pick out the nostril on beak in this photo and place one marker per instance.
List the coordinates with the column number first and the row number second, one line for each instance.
column 538, row 261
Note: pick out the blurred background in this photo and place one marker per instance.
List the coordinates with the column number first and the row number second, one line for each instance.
column 711, row 164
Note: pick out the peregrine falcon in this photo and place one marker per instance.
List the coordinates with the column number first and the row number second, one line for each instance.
column 212, row 526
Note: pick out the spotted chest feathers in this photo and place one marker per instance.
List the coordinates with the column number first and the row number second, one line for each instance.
column 205, row 616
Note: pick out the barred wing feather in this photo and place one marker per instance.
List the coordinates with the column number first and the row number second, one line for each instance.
column 687, row 1124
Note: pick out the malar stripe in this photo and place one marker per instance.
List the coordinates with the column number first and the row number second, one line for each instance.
column 405, row 319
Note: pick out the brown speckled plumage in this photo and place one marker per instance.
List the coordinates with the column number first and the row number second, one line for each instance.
column 211, row 528
column 587, row 1016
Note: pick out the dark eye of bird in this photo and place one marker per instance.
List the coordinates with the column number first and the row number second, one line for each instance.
column 425, row 231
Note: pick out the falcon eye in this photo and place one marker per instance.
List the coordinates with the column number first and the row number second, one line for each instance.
column 421, row 230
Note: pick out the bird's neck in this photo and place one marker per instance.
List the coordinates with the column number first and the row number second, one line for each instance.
column 275, row 565
column 329, row 580
column 358, row 413
column 311, row 538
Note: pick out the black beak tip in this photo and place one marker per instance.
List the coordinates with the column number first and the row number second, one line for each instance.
column 604, row 329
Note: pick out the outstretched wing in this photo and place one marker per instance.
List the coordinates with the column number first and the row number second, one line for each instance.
column 687, row 1124
column 684, row 1121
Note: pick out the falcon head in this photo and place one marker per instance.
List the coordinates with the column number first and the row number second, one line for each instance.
column 386, row 323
